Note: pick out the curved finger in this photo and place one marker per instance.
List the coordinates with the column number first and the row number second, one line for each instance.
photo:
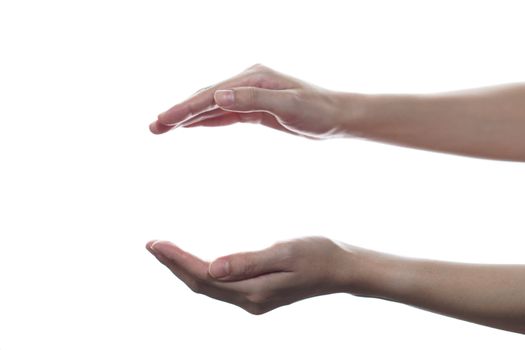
column 158, row 128
column 242, row 266
column 227, row 118
column 255, row 294
column 213, row 113
column 194, row 273
column 221, row 117
column 198, row 103
column 251, row 98
column 178, row 260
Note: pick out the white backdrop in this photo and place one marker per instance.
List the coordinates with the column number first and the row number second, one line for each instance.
column 84, row 185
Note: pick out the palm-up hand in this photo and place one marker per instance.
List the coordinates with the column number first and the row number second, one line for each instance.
column 260, row 95
column 263, row 280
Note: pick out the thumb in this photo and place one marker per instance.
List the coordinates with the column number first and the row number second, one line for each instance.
column 250, row 99
column 248, row 265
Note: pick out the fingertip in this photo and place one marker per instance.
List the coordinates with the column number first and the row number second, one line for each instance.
column 158, row 128
column 166, row 248
column 174, row 115
column 153, row 128
column 158, row 243
column 219, row 268
column 149, row 245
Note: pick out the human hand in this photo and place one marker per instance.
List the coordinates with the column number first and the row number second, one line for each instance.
column 260, row 95
column 302, row 268
column 264, row 280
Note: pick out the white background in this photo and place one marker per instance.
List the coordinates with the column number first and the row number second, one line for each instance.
column 84, row 185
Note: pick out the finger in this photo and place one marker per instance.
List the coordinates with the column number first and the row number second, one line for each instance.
column 181, row 263
column 184, row 276
column 198, row 103
column 158, row 128
column 233, row 117
column 194, row 273
column 227, row 118
column 244, row 266
column 252, row 294
column 219, row 117
column 250, row 98
column 202, row 89
column 211, row 114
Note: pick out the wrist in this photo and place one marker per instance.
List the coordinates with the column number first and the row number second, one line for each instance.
column 352, row 112
column 370, row 273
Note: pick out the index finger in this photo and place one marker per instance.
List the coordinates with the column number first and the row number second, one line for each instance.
column 194, row 271
column 200, row 102
column 178, row 260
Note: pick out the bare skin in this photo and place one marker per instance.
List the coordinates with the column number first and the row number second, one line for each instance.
column 290, row 271
column 487, row 122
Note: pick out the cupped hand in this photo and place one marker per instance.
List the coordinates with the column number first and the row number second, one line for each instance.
column 263, row 280
column 260, row 95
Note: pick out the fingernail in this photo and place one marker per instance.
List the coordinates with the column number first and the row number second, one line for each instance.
column 224, row 97
column 153, row 128
column 152, row 245
column 220, row 268
column 159, row 247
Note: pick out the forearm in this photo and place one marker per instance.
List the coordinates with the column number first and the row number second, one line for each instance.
column 486, row 122
column 492, row 295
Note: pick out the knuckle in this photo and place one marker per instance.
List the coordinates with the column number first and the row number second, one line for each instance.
column 286, row 248
column 255, row 309
column 247, row 98
column 258, row 74
column 191, row 110
column 206, row 88
column 257, row 303
column 244, row 266
column 296, row 98
column 257, row 67
column 279, row 244
column 195, row 286
column 251, row 96
column 259, row 78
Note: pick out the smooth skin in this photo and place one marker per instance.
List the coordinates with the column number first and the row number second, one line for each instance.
column 487, row 122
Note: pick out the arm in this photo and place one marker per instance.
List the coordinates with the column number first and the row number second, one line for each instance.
column 492, row 295
column 487, row 122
